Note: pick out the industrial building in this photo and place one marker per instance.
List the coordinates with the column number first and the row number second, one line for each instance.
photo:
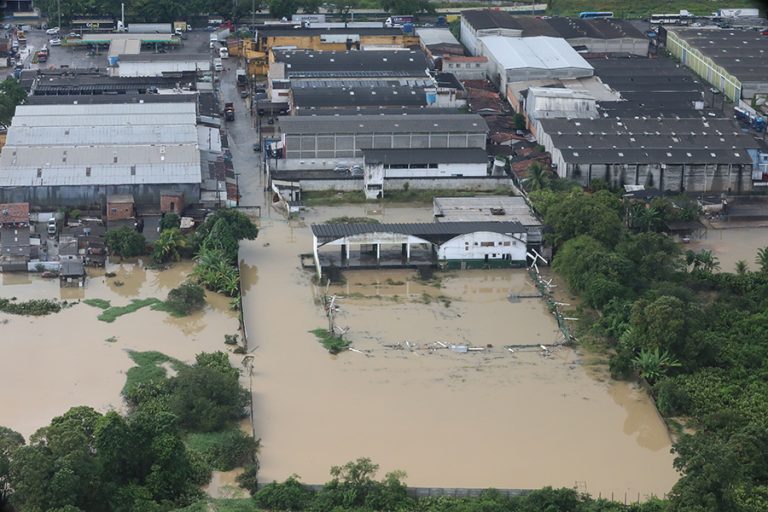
column 438, row 43
column 308, row 64
column 590, row 35
column 465, row 68
column 159, row 64
column 531, row 58
column 450, row 245
column 490, row 209
column 77, row 155
column 270, row 37
column 733, row 61
column 555, row 102
column 680, row 155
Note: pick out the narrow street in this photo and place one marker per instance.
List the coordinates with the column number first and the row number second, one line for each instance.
column 242, row 135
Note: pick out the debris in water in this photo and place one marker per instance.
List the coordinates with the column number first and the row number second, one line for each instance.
column 459, row 349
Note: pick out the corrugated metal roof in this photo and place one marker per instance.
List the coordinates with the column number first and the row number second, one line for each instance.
column 67, row 157
column 533, row 52
column 104, row 120
column 109, row 109
column 426, row 156
column 433, row 36
column 108, row 175
column 424, row 230
column 422, row 123
column 116, row 135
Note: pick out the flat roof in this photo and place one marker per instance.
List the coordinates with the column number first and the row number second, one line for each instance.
column 291, row 31
column 105, row 135
column 426, row 156
column 484, row 208
column 568, row 28
column 424, row 123
column 124, row 47
column 534, row 52
column 144, row 38
column 435, row 36
column 743, row 53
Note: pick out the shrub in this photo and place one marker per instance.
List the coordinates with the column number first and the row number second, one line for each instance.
column 186, row 298
column 248, row 479
column 289, row 495
column 170, row 220
column 126, row 242
column 225, row 450
column 671, row 398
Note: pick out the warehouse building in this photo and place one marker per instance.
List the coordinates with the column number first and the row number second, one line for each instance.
column 159, row 64
column 308, row 64
column 77, row 155
column 532, row 58
column 438, row 43
column 680, row 155
column 332, row 39
column 589, row 35
column 734, row 61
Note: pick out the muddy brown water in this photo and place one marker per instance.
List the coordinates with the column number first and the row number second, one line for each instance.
column 733, row 244
column 49, row 364
column 483, row 419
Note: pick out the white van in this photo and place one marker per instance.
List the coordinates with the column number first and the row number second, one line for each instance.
column 217, row 65
column 224, row 52
column 52, row 226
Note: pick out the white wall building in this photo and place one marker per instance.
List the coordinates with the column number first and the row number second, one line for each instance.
column 484, row 247
column 531, row 58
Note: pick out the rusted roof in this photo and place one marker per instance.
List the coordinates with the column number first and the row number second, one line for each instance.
column 14, row 213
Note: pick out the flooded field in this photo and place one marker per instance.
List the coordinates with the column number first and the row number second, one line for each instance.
column 733, row 244
column 49, row 364
column 491, row 418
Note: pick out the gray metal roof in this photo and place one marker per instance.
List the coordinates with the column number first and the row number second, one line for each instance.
column 109, row 109
column 533, row 52
column 434, row 36
column 418, row 123
column 116, row 135
column 484, row 208
column 426, row 156
column 310, row 63
column 445, row 230
column 359, row 97
column 105, row 120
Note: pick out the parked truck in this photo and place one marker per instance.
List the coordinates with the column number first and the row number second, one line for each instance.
column 242, row 82
column 737, row 13
column 229, row 111
column 180, row 27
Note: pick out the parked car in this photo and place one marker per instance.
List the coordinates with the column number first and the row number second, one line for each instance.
column 52, row 226
column 74, row 35
column 55, row 42
column 356, row 170
column 256, row 147
column 52, row 31
column 341, row 168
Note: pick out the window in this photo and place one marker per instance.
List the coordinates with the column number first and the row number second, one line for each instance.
column 133, row 170
column 39, row 172
column 114, row 210
column 507, row 244
column 87, row 171
column 487, row 244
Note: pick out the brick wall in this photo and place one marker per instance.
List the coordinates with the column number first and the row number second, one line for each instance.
column 118, row 211
column 172, row 203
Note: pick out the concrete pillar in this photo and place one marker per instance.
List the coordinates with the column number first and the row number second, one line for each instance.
column 346, row 246
column 343, row 252
column 317, row 258
column 408, row 253
column 378, row 253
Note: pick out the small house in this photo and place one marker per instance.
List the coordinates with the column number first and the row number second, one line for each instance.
column 15, row 245
column 120, row 207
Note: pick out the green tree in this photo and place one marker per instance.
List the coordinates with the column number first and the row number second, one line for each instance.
column 215, row 271
column 654, row 364
column 407, row 7
column 283, row 8
column 186, row 298
column 519, row 120
column 577, row 213
column 168, row 245
column 762, row 259
column 170, row 220
column 10, row 441
column 126, row 242
column 741, row 267
column 538, row 177
column 205, row 399
column 311, row 6
column 288, row 495
column 12, row 94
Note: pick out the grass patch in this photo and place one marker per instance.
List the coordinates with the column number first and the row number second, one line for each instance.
column 331, row 198
column 148, row 368
column 36, row 307
column 352, row 220
column 97, row 303
column 332, row 343
column 223, row 450
column 427, row 195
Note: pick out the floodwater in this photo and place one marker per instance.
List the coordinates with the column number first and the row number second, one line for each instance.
column 49, row 364
column 490, row 418
column 733, row 244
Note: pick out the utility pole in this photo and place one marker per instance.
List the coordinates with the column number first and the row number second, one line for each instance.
column 58, row 5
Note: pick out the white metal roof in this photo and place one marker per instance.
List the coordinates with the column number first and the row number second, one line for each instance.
column 71, row 109
column 114, row 175
column 540, row 52
column 432, row 36
column 124, row 47
column 105, row 120
column 80, row 156
column 117, row 135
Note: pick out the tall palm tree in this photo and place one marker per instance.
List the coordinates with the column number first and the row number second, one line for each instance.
column 741, row 267
column 168, row 244
column 762, row 259
column 538, row 177
column 709, row 262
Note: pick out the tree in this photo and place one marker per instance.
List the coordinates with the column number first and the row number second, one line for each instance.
column 406, row 6
column 170, row 220
column 653, row 364
column 538, row 177
column 519, row 120
column 344, row 8
column 218, row 361
column 762, row 259
column 205, row 399
column 283, row 8
column 311, row 6
column 288, row 495
column 12, row 94
column 10, row 441
column 741, row 267
column 126, row 242
column 577, row 213
column 216, row 273
column 185, row 299
column 167, row 246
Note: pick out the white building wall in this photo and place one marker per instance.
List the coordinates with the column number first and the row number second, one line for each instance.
column 444, row 169
column 478, row 245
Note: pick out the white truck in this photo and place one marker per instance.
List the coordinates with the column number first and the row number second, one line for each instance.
column 218, row 65
column 737, row 13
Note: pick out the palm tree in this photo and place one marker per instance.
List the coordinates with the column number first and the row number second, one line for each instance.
column 762, row 259
column 168, row 244
column 741, row 267
column 538, row 177
column 709, row 262
column 653, row 364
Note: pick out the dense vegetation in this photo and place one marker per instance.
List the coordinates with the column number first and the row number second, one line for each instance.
column 12, row 94
column 640, row 9
column 699, row 337
column 86, row 461
column 126, row 242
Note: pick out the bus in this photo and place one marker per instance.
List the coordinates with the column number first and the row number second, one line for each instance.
column 684, row 18
column 589, row 15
